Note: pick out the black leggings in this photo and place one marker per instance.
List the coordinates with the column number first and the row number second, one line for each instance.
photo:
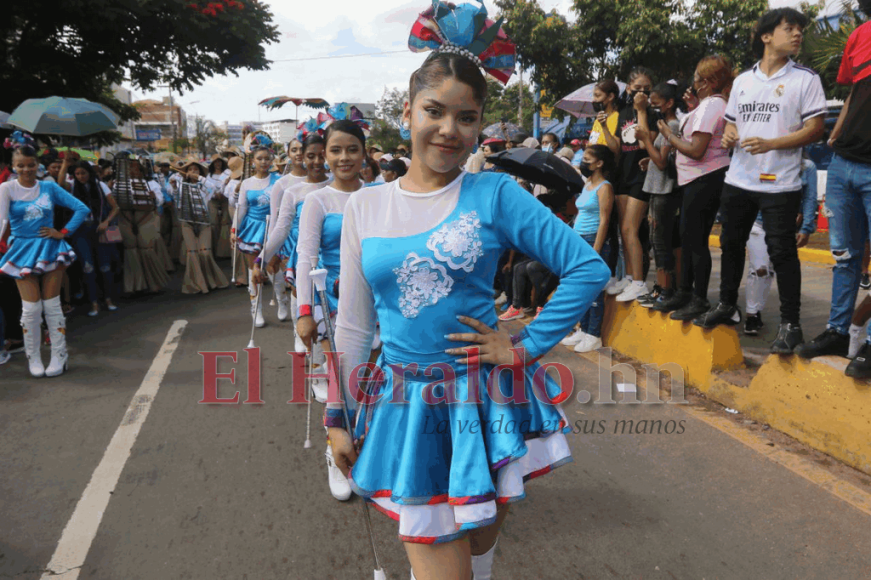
column 529, row 275
column 701, row 200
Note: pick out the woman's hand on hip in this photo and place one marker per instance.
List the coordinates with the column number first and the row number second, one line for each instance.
column 493, row 346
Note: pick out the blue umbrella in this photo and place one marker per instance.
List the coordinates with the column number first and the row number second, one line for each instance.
column 63, row 116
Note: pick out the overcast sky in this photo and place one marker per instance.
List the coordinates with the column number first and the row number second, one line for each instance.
column 312, row 29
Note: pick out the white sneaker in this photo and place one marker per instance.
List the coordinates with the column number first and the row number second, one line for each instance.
column 320, row 387
column 857, row 337
column 339, row 486
column 502, row 299
column 574, row 338
column 616, row 286
column 633, row 291
column 298, row 344
column 4, row 357
column 589, row 344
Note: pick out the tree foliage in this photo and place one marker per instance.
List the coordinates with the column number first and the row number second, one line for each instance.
column 503, row 102
column 609, row 39
column 824, row 46
column 80, row 48
column 207, row 137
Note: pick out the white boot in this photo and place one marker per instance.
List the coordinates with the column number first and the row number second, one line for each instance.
column 57, row 330
column 257, row 312
column 298, row 344
column 339, row 486
column 31, row 318
column 482, row 566
column 281, row 296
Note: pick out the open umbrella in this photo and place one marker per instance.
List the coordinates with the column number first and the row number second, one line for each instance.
column 4, row 116
column 63, row 116
column 84, row 154
column 580, row 102
column 512, row 131
column 539, row 167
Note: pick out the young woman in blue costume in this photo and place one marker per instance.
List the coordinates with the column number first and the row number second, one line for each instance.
column 284, row 237
column 38, row 253
column 319, row 241
column 279, row 252
column 420, row 255
column 253, row 208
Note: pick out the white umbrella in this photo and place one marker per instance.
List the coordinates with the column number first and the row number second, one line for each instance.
column 580, row 102
column 4, row 116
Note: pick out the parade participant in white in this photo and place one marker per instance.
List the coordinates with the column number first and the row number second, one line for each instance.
column 38, row 254
column 285, row 234
column 253, row 207
column 420, row 254
column 201, row 273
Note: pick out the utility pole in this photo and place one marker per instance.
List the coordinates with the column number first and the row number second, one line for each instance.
column 172, row 119
column 520, row 99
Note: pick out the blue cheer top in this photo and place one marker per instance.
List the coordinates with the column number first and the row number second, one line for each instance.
column 27, row 210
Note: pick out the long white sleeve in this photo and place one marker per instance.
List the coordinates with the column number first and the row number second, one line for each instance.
column 208, row 187
column 5, row 201
column 230, row 192
column 283, row 221
column 276, row 195
column 355, row 325
column 242, row 204
column 308, row 246
column 158, row 193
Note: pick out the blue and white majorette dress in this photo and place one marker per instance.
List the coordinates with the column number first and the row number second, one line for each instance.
column 320, row 238
column 254, row 207
column 27, row 210
column 283, row 186
column 416, row 262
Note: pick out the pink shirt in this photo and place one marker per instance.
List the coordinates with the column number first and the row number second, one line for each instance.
column 708, row 117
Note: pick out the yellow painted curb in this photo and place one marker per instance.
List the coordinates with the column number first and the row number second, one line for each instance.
column 804, row 254
column 652, row 337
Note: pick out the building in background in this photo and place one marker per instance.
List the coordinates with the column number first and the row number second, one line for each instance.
column 158, row 120
column 280, row 131
column 127, row 129
column 233, row 132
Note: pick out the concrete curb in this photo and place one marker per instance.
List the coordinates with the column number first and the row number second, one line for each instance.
column 811, row 401
column 804, row 254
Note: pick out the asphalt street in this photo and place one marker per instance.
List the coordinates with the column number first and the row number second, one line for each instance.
column 228, row 492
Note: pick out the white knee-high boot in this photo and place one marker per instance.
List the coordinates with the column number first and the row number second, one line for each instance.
column 281, row 295
column 482, row 566
column 31, row 318
column 57, row 330
column 256, row 307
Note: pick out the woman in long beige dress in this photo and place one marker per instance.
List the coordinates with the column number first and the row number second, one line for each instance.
column 201, row 273
column 140, row 232
column 219, row 208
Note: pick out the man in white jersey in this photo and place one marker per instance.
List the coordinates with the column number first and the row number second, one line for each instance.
column 774, row 110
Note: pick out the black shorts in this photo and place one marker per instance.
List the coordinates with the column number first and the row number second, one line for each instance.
column 635, row 191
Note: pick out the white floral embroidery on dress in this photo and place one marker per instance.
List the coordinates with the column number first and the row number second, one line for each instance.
column 422, row 282
column 37, row 210
column 459, row 241
column 263, row 199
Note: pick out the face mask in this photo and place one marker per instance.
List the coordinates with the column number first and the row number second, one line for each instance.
column 585, row 170
column 547, row 148
column 598, row 107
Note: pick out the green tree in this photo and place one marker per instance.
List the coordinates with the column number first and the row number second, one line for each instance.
column 207, row 137
column 385, row 129
column 824, row 45
column 503, row 102
column 609, row 39
column 84, row 47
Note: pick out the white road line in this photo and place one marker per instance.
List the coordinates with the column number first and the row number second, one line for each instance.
column 72, row 549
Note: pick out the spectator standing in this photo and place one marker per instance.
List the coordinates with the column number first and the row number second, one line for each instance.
column 665, row 199
column 848, row 199
column 702, row 162
column 774, row 110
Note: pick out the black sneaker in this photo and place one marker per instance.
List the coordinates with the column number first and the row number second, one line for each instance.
column 752, row 324
column 830, row 342
column 860, row 367
column 650, row 298
column 865, row 284
column 664, row 295
column 789, row 336
column 680, row 299
column 696, row 307
column 720, row 314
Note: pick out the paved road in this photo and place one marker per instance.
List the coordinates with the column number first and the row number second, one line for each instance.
column 228, row 491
